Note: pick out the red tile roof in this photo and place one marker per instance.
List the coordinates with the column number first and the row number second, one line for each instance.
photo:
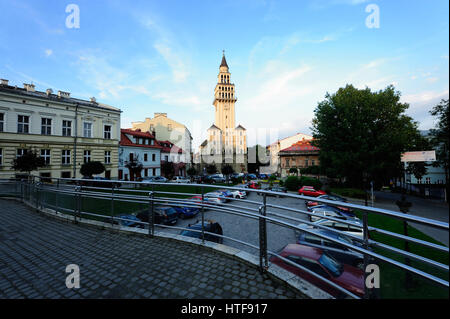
column 303, row 146
column 125, row 141
column 168, row 147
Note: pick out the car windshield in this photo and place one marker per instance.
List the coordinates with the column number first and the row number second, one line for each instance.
column 331, row 264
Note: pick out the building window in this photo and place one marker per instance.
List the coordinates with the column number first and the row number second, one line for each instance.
column 2, row 121
column 66, row 128
column 46, row 126
column 152, row 142
column 87, row 129
column 87, row 156
column 65, row 159
column 45, row 154
column 154, row 172
column 21, row 151
column 1, row 156
column 107, row 132
column 65, row 174
column 107, row 157
column 166, row 158
column 145, row 157
column 153, row 157
column 23, row 124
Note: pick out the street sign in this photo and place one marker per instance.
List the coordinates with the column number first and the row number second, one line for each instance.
column 421, row 156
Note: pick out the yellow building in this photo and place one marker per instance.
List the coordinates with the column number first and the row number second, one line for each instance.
column 65, row 131
column 226, row 143
column 167, row 129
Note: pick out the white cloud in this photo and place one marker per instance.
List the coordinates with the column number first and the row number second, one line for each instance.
column 48, row 52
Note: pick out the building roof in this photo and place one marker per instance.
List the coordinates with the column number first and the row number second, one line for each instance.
column 279, row 140
column 301, row 146
column 126, row 141
column 224, row 61
column 240, row 127
column 49, row 96
column 169, row 147
column 214, row 127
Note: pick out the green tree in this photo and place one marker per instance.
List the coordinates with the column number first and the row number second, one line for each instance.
column 440, row 137
column 293, row 170
column 211, row 169
column 30, row 161
column 168, row 169
column 227, row 170
column 92, row 168
column 292, row 183
column 362, row 134
column 191, row 171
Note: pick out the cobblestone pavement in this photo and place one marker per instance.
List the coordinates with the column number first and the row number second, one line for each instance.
column 35, row 250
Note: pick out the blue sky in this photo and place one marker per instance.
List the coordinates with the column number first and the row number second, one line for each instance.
column 163, row 56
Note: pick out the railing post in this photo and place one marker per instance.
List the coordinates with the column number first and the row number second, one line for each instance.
column 57, row 197
column 112, row 204
column 22, row 189
column 203, row 217
column 77, row 202
column 366, row 257
column 263, row 261
column 37, row 195
column 151, row 220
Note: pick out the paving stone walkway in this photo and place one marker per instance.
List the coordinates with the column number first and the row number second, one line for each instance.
column 35, row 250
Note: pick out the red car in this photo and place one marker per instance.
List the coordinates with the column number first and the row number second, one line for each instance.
column 310, row 191
column 314, row 259
column 254, row 185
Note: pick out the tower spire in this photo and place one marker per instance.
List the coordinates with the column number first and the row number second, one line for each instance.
column 224, row 61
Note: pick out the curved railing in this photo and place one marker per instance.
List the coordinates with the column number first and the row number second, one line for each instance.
column 55, row 194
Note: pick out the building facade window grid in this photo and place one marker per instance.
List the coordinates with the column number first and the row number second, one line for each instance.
column 107, row 132
column 2, row 121
column 45, row 154
column 65, row 158
column 23, row 124
column 66, row 128
column 21, row 151
column 46, row 126
column 87, row 156
column 107, row 157
column 87, row 129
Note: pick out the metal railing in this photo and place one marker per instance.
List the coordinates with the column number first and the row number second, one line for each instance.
column 38, row 191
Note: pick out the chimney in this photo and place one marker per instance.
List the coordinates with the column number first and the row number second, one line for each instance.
column 29, row 87
column 4, row 82
column 49, row 91
column 154, row 134
column 63, row 94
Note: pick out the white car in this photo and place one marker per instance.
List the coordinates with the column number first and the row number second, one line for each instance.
column 239, row 194
column 355, row 229
column 180, row 179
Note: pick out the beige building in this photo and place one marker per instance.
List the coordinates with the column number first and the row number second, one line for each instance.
column 299, row 155
column 275, row 148
column 226, row 143
column 166, row 129
column 65, row 131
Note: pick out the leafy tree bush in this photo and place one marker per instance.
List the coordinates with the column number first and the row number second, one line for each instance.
column 28, row 162
column 168, row 169
column 292, row 183
column 92, row 168
column 211, row 169
column 227, row 170
column 293, row 170
column 308, row 181
column 191, row 171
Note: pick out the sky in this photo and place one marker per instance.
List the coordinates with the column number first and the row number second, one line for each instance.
column 284, row 56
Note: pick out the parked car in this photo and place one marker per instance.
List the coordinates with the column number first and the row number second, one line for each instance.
column 310, row 191
column 330, row 211
column 341, row 253
column 186, row 212
column 128, row 220
column 320, row 262
column 209, row 226
column 240, row 194
column 355, row 228
column 207, row 199
column 254, row 185
column 226, row 193
column 275, row 189
column 311, row 203
column 250, row 177
column 180, row 179
column 163, row 215
column 215, row 178
column 160, row 179
column 263, row 176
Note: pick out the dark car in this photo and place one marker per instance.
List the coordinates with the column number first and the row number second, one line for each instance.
column 209, row 226
column 330, row 211
column 213, row 179
column 163, row 215
column 186, row 212
column 321, row 263
column 263, row 176
column 251, row 177
column 277, row 189
column 336, row 198
column 341, row 253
